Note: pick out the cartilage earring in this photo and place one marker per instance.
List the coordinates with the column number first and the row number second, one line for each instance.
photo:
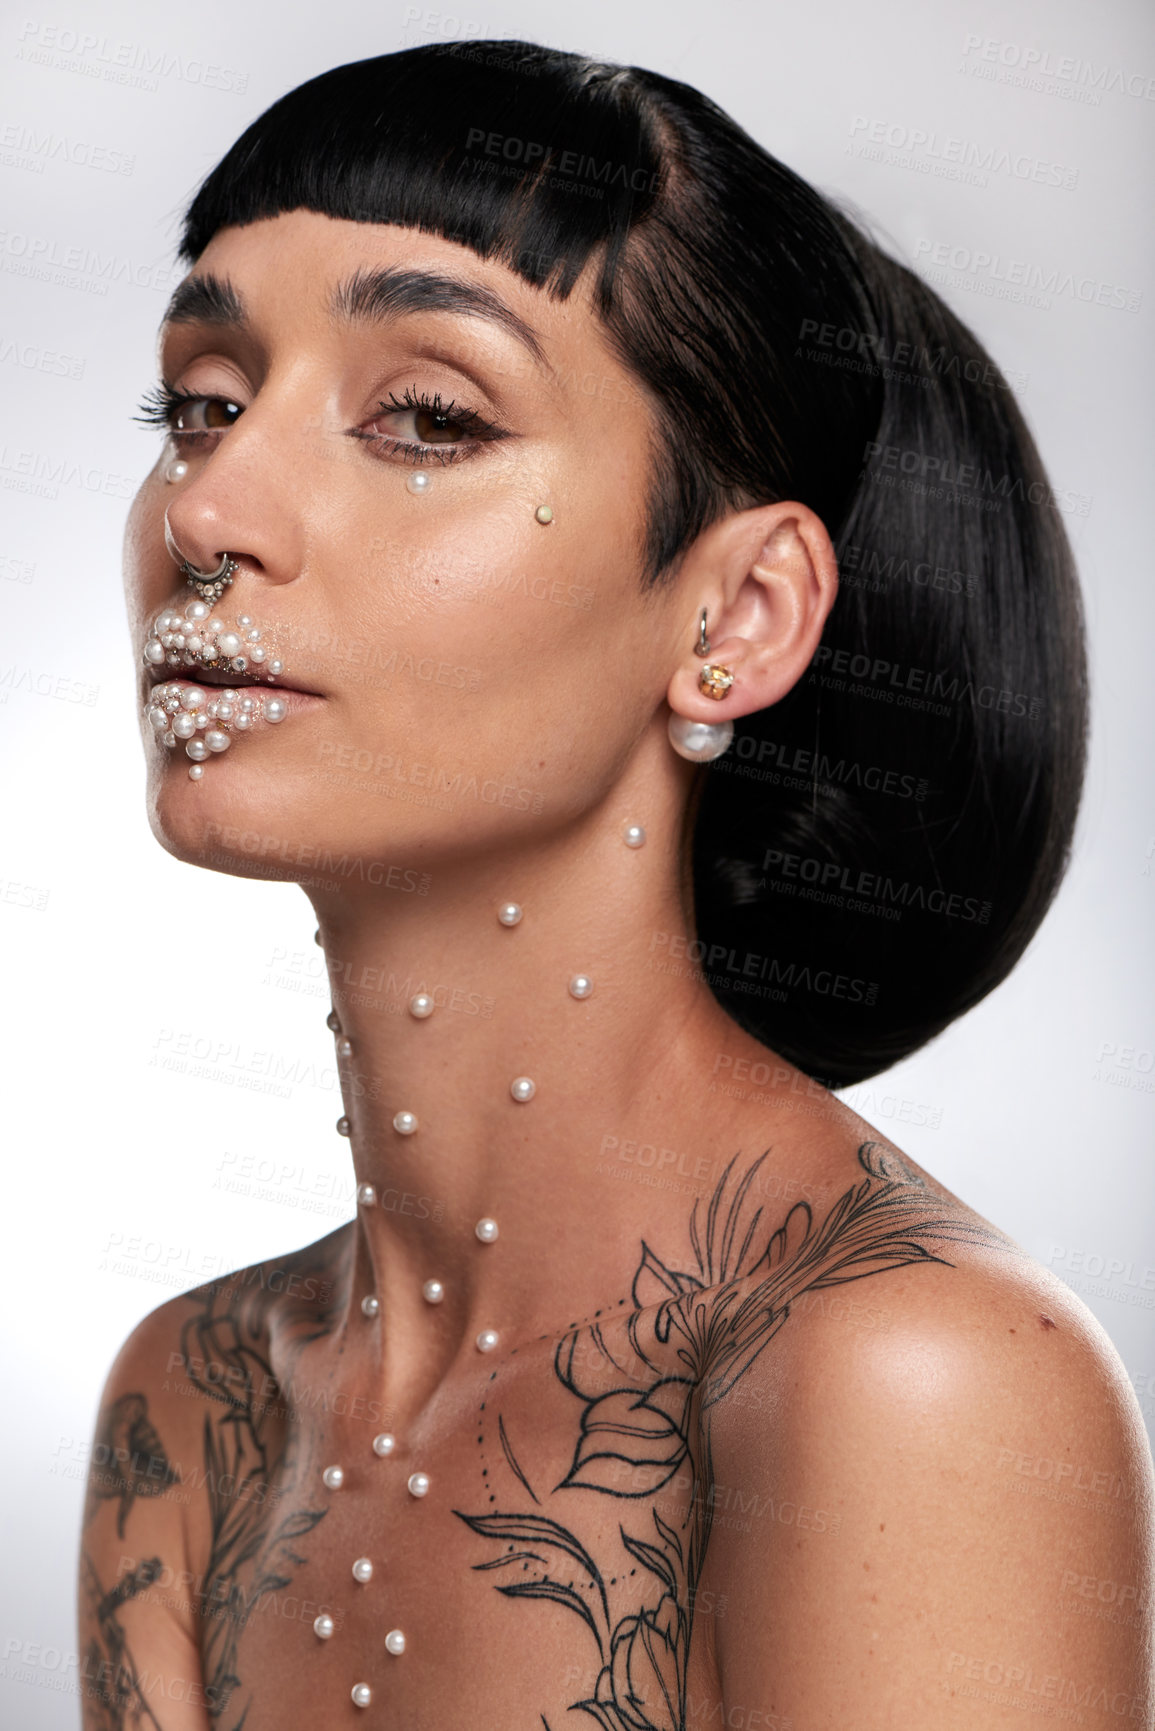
column 210, row 585
column 702, row 646
column 715, row 681
column 699, row 741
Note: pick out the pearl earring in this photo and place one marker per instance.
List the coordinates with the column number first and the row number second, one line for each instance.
column 699, row 741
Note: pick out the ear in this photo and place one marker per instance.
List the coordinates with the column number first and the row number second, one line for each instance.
column 767, row 578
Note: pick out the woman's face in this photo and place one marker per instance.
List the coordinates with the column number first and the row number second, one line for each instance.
column 475, row 674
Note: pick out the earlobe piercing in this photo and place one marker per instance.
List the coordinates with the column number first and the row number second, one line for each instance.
column 699, row 741
column 715, row 681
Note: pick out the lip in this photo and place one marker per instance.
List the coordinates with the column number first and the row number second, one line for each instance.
column 219, row 679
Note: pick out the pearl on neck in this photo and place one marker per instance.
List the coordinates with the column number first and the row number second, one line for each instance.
column 487, row 1340
column 333, row 1477
column 370, row 1305
column 367, row 1197
column 421, row 1006
column 634, row 835
column 344, row 1128
column 486, row 1230
column 405, row 1123
column 395, row 1643
column 344, row 1048
column 323, row 1626
column 580, row 986
column 522, row 1088
column 418, row 1484
column 433, row 1292
column 509, row 913
column 363, row 1570
column 384, row 1444
column 362, row 1694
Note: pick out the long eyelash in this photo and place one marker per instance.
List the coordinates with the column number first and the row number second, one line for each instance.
column 467, row 418
column 161, row 404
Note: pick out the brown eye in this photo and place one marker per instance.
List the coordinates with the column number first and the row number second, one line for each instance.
column 218, row 413
column 436, row 428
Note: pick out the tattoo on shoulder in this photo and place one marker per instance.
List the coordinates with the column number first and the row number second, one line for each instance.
column 643, row 1400
column 128, row 1459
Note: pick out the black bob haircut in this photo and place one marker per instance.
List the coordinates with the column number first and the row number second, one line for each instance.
column 876, row 850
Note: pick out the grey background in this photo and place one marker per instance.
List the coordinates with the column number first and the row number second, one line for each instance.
column 168, row 1122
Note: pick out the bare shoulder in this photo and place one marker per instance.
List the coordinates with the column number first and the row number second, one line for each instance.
column 159, row 1479
column 940, row 1449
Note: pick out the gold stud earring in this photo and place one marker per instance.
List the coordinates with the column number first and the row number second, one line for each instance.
column 715, row 681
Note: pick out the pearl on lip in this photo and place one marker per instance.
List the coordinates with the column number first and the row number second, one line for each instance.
column 276, row 709
column 509, row 913
column 418, row 1484
column 333, row 1477
column 421, row 1006
column 486, row 1230
column 363, row 1570
column 384, row 1444
column 405, row 1123
column 523, row 1088
column 433, row 1292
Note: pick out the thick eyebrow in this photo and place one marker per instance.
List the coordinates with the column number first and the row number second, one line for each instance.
column 389, row 293
column 366, row 296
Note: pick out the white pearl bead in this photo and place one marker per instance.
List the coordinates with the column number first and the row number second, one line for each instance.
column 405, row 1123
column 418, row 1484
column 217, row 739
column 487, row 1340
column 229, row 643
column 366, row 1195
column 197, row 610
column 384, row 1444
column 154, row 652
column 370, row 1305
column 580, row 986
column 323, row 1626
column 362, row 1694
column 433, row 1292
column 276, row 667
column 509, row 913
column 699, row 741
column 196, row 749
column 191, row 697
column 363, row 1570
column 276, row 709
column 183, row 726
column 344, row 1128
column 395, row 1642
column 344, row 1048
column 334, row 1477
column 522, row 1088
column 421, row 1006
column 195, row 771
column 332, row 1020
column 544, row 513
column 176, row 471
column 419, row 482
column 634, row 835
column 486, row 1230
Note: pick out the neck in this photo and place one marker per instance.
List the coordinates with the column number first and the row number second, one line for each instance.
column 624, row 1068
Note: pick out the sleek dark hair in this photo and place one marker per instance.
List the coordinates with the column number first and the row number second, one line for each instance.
column 875, row 851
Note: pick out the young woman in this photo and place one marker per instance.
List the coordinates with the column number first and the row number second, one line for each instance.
column 633, row 609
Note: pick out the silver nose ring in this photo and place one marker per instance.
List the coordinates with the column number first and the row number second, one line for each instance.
column 210, row 585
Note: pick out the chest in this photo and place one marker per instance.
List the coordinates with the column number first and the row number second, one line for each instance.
column 531, row 1552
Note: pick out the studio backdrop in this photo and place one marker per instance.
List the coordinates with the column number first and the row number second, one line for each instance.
column 171, row 1091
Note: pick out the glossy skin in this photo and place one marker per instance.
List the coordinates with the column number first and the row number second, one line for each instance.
column 865, row 1544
